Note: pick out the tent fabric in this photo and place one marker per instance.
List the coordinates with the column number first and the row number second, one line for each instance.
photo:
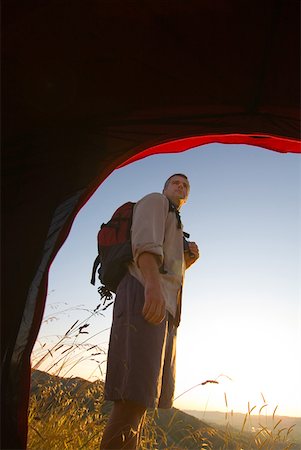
column 91, row 86
column 268, row 142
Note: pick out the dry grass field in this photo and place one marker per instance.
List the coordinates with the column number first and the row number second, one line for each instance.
column 66, row 412
column 69, row 413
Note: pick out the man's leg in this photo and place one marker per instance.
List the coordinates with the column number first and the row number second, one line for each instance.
column 134, row 368
column 123, row 428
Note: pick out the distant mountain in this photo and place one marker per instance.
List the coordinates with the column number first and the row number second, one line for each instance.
column 236, row 420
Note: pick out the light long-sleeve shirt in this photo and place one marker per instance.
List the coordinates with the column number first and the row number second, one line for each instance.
column 155, row 229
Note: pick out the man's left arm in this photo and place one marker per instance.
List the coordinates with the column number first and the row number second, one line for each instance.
column 192, row 254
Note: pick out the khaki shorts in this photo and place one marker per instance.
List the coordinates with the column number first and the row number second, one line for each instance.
column 141, row 357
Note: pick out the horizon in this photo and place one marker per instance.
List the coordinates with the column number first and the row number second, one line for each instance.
column 229, row 413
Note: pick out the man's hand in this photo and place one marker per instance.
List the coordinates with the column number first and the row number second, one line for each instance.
column 192, row 254
column 154, row 304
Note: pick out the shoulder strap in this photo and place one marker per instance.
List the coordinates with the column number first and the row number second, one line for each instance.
column 95, row 265
column 174, row 209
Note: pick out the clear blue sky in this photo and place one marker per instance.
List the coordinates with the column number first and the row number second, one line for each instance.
column 241, row 310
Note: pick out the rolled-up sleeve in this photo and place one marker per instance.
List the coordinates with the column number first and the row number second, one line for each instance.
column 148, row 227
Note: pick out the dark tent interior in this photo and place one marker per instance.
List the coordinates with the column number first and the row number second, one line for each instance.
column 89, row 85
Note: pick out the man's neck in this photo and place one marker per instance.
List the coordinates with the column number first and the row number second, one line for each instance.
column 177, row 207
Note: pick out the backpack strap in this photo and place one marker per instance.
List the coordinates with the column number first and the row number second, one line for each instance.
column 186, row 236
column 174, row 209
column 95, row 265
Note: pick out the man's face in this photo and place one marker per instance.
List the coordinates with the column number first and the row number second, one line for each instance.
column 177, row 190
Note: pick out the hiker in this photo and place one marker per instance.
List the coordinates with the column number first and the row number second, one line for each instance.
column 141, row 356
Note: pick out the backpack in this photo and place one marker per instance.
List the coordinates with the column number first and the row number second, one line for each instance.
column 115, row 249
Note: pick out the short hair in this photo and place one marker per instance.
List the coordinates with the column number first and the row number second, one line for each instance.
column 176, row 175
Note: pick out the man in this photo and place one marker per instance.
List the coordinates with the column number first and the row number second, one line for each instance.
column 141, row 358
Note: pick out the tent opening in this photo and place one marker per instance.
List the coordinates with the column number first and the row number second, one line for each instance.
column 241, row 211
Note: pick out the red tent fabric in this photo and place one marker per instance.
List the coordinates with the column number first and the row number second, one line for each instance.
column 89, row 86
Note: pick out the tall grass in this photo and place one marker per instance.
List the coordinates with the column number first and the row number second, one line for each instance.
column 59, row 419
column 71, row 414
column 58, row 414
column 71, row 349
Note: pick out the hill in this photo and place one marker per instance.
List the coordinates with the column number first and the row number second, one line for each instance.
column 54, row 397
column 68, row 413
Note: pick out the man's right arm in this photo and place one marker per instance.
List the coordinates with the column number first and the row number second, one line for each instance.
column 154, row 309
column 148, row 230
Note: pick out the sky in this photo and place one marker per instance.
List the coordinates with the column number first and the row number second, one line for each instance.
column 241, row 317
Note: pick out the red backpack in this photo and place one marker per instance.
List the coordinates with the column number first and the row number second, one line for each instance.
column 114, row 250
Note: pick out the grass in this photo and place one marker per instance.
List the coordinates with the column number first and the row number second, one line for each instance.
column 59, row 420
column 71, row 413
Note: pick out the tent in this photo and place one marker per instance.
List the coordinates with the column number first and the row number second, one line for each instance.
column 89, row 86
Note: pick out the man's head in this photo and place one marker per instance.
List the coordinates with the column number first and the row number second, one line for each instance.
column 176, row 189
